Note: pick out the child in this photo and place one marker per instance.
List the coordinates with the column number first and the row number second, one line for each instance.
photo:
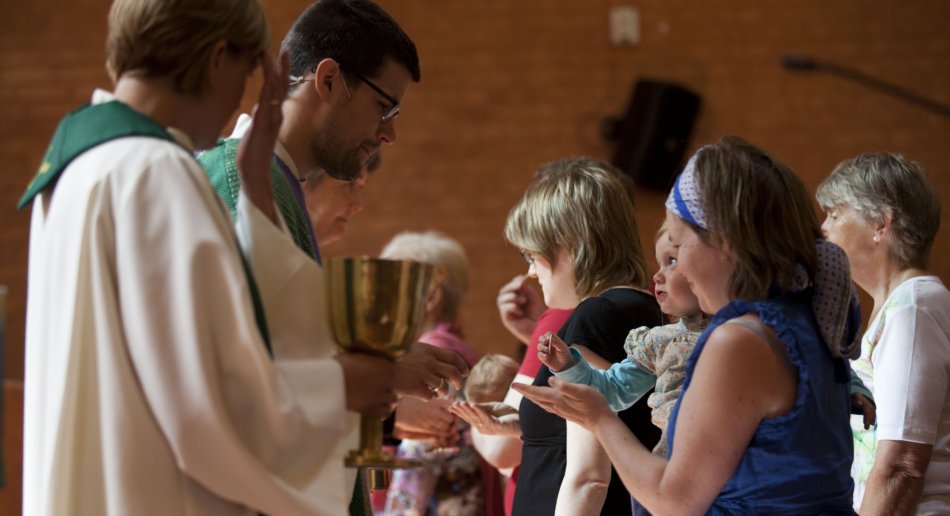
column 654, row 355
column 489, row 379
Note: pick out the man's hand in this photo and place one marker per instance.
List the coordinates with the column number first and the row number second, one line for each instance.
column 426, row 421
column 369, row 381
column 554, row 353
column 256, row 149
column 519, row 306
column 493, row 418
column 426, row 372
column 867, row 408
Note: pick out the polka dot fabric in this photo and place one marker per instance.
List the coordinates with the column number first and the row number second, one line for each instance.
column 834, row 300
column 685, row 199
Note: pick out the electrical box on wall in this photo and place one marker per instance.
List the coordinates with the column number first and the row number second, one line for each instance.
column 624, row 26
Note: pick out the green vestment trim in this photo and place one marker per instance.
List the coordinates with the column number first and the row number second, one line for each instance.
column 93, row 125
column 221, row 165
column 84, row 129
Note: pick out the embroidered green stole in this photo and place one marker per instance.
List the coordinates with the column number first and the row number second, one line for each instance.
column 221, row 166
column 93, row 125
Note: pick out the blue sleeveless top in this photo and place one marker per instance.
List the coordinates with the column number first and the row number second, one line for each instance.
column 800, row 462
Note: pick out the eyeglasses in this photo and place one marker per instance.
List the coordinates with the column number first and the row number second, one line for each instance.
column 527, row 257
column 393, row 110
column 389, row 114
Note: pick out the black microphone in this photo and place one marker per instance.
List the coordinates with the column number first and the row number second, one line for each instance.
column 793, row 62
column 802, row 63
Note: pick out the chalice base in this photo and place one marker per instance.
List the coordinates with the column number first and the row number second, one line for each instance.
column 371, row 459
column 370, row 454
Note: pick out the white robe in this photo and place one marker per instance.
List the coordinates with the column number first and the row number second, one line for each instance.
column 148, row 388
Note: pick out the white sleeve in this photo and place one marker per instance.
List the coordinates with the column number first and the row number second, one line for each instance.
column 910, row 376
column 245, row 429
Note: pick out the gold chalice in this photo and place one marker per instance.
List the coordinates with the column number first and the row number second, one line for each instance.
column 376, row 306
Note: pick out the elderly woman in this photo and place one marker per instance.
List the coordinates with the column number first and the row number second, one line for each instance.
column 331, row 203
column 449, row 481
column 761, row 426
column 883, row 211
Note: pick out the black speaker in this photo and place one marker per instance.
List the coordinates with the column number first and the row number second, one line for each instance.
column 653, row 135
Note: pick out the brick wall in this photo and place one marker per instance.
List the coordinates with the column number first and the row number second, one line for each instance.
column 510, row 84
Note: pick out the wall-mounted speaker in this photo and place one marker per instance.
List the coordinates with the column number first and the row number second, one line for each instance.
column 654, row 134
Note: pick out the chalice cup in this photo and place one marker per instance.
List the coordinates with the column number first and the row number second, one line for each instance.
column 377, row 307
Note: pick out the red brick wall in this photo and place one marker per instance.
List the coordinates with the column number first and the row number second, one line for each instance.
column 508, row 85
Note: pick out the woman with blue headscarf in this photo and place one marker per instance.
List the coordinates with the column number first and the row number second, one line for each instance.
column 762, row 425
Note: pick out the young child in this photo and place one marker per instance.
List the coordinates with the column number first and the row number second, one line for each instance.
column 654, row 355
column 490, row 378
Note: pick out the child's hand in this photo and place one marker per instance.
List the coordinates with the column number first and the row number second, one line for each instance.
column 554, row 353
column 867, row 408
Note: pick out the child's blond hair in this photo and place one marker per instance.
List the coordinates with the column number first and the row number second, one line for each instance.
column 490, row 378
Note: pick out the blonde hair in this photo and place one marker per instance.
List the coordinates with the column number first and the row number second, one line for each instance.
column 761, row 211
column 173, row 38
column 586, row 210
column 490, row 378
column 443, row 252
column 881, row 184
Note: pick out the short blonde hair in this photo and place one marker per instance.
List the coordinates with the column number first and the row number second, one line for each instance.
column 880, row 184
column 490, row 378
column 761, row 210
column 443, row 252
column 172, row 38
column 586, row 210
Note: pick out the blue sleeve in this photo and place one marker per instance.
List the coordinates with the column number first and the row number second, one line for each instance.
column 623, row 384
column 857, row 386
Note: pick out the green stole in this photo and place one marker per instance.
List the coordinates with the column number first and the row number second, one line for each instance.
column 221, row 166
column 93, row 125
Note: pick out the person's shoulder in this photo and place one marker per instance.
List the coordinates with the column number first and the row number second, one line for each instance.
column 917, row 296
column 621, row 298
column 596, row 308
column 929, row 290
column 552, row 319
column 219, row 163
column 637, row 307
column 215, row 160
column 138, row 154
column 745, row 339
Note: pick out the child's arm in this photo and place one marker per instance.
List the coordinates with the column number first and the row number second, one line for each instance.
column 862, row 401
column 623, row 384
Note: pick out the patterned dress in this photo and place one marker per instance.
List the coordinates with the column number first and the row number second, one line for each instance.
column 663, row 351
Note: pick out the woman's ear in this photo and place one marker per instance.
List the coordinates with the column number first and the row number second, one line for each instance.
column 882, row 227
column 434, row 303
column 215, row 64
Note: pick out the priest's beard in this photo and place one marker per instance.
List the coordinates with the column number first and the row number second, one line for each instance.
column 328, row 152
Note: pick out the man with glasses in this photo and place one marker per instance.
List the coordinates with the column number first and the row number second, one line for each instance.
column 351, row 65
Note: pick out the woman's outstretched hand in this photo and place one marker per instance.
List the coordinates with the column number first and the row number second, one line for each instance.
column 492, row 418
column 576, row 403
